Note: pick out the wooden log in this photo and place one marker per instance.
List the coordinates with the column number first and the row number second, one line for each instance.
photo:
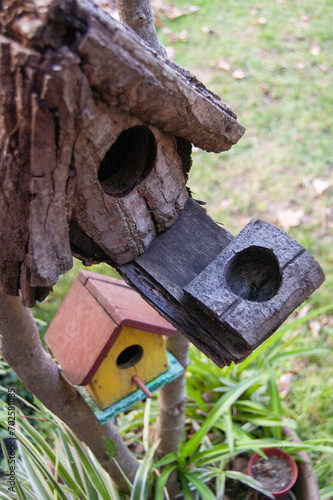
column 123, row 69
column 225, row 294
column 94, row 137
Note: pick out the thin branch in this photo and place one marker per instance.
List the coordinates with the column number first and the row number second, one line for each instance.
column 138, row 15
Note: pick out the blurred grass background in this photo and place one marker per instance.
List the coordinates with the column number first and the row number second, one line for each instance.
column 271, row 61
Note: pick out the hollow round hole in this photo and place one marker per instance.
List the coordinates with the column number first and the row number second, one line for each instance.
column 129, row 356
column 128, row 161
column 254, row 274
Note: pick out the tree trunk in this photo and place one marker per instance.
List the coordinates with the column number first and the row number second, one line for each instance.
column 21, row 348
column 172, row 401
column 171, row 409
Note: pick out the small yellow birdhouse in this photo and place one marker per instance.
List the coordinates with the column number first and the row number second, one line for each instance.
column 108, row 339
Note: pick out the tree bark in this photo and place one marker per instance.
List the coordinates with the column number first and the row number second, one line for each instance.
column 172, row 401
column 21, row 348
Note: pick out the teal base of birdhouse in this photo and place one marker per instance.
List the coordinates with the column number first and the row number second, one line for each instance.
column 174, row 371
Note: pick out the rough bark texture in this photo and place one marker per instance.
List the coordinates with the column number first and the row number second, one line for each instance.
column 22, row 349
column 73, row 80
column 172, row 401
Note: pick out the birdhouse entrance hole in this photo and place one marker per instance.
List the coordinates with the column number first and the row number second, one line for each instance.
column 254, row 274
column 128, row 161
column 129, row 356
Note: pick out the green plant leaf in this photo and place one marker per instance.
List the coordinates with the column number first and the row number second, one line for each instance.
column 185, row 487
column 167, row 459
column 196, row 396
column 220, row 407
column 90, row 467
column 278, row 335
column 110, row 447
column 229, row 429
column 275, row 404
column 20, row 492
column 37, row 480
column 162, row 480
column 205, row 492
column 44, row 447
column 249, row 481
column 326, row 493
column 300, row 352
column 141, row 480
column 220, row 485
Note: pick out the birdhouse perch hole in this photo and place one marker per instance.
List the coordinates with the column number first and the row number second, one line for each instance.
column 128, row 161
column 254, row 274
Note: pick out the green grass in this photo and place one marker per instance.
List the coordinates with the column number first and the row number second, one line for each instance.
column 285, row 102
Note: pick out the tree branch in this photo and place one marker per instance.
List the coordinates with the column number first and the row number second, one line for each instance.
column 138, row 15
column 21, row 348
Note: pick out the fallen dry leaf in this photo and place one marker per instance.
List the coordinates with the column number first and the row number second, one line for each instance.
column 171, row 11
column 259, row 20
column 225, row 203
column 315, row 328
column 177, row 37
column 320, row 186
column 304, row 311
column 290, row 218
column 183, row 35
column 171, row 53
column 207, row 30
column 109, row 7
column 239, row 74
column 315, row 50
column 284, row 384
column 298, row 364
column 243, row 221
column 224, row 64
column 323, row 68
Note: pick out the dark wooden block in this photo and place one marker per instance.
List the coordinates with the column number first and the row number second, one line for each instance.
column 225, row 294
column 256, row 282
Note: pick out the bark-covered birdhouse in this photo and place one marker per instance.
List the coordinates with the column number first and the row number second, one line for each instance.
column 96, row 149
column 109, row 340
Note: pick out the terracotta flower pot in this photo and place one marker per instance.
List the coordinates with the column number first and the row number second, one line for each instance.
column 270, row 452
column 306, row 486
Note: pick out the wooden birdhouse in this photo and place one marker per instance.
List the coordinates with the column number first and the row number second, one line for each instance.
column 109, row 340
column 99, row 164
